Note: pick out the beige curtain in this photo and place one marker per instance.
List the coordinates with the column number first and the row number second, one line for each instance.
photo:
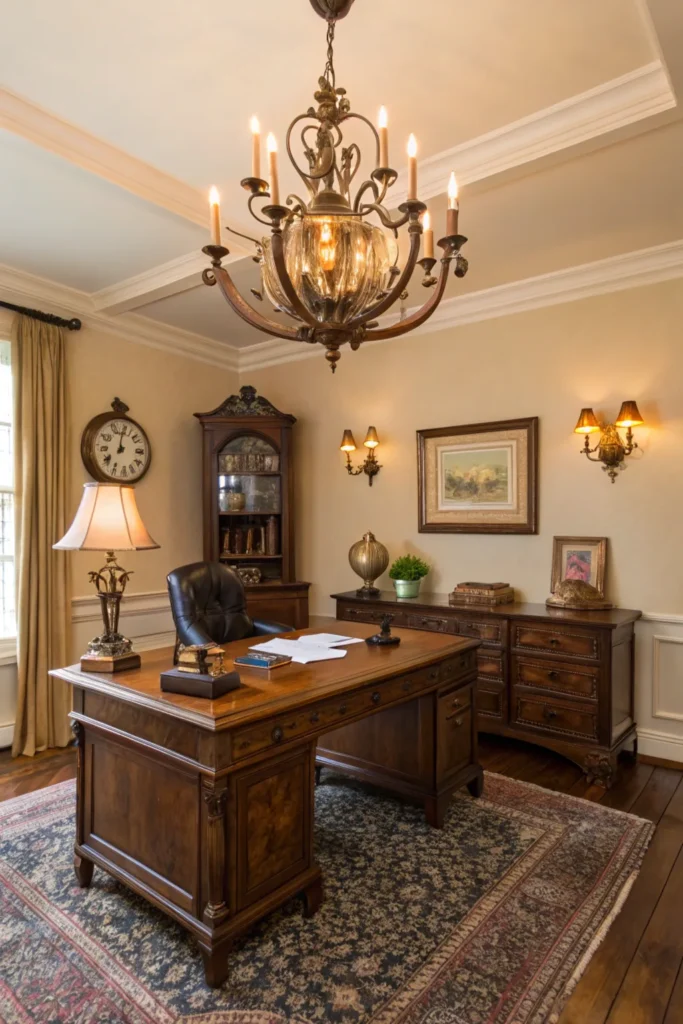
column 43, row 619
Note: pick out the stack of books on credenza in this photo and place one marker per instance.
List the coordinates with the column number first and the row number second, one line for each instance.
column 482, row 593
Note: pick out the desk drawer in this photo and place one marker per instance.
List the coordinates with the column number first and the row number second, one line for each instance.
column 553, row 716
column 491, row 700
column 491, row 663
column 333, row 712
column 455, row 729
column 575, row 680
column 458, row 667
column 573, row 642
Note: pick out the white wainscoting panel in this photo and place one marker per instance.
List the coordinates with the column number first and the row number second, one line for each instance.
column 659, row 686
column 145, row 619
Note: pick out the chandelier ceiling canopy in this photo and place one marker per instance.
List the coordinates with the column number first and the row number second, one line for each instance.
column 330, row 261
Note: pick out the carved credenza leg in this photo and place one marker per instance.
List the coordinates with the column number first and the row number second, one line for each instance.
column 82, row 866
column 599, row 767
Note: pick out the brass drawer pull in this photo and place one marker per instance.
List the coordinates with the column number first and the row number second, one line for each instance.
column 343, row 709
column 406, row 685
column 550, row 713
column 376, row 697
column 553, row 641
column 434, row 674
column 456, row 716
column 315, row 717
column 553, row 674
column 277, row 734
column 456, row 702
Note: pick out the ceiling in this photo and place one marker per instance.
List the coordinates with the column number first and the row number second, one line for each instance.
column 561, row 120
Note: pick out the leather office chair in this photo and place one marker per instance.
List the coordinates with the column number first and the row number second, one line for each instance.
column 208, row 606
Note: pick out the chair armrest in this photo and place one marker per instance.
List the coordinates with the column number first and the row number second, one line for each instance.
column 262, row 628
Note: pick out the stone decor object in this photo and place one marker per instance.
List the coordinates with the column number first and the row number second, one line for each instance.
column 369, row 559
column 577, row 594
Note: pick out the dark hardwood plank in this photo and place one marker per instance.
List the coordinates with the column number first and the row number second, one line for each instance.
column 657, row 794
column 674, row 1011
column 594, row 995
column 630, row 783
column 644, row 995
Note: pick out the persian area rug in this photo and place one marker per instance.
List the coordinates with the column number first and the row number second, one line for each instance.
column 490, row 921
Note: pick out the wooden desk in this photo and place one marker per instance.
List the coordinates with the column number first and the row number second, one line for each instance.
column 205, row 808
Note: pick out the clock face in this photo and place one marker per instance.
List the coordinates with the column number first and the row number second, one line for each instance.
column 120, row 450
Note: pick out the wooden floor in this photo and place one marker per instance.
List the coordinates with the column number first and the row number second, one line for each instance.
column 636, row 976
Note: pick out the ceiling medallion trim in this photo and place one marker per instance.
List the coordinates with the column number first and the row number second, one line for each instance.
column 331, row 260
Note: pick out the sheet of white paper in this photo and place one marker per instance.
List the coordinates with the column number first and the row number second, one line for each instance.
column 299, row 652
column 329, row 640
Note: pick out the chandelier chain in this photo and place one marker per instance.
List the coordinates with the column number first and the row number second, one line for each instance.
column 329, row 67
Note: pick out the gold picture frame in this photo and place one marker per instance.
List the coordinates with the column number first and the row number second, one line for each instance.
column 479, row 478
column 579, row 558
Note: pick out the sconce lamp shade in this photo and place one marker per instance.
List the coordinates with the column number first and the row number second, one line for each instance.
column 586, row 423
column 371, row 438
column 107, row 520
column 348, row 444
column 629, row 415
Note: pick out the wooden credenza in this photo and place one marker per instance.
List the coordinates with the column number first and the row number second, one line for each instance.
column 561, row 679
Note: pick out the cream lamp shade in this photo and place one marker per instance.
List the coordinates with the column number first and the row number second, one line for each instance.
column 107, row 520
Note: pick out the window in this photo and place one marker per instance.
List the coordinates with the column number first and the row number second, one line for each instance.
column 7, row 613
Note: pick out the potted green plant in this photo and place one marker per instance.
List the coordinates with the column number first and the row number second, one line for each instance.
column 407, row 572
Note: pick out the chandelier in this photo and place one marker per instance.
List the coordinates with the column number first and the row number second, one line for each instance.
column 331, row 261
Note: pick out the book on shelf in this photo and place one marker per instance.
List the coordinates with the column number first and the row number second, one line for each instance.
column 480, row 588
column 504, row 595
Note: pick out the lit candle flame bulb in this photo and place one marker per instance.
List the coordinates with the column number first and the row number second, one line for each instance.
column 383, row 122
column 428, row 236
column 453, row 206
column 215, row 210
column 255, row 147
column 328, row 251
column 271, row 143
column 412, row 168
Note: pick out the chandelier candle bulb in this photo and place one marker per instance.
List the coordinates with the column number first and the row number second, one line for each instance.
column 215, row 209
column 453, row 207
column 428, row 236
column 412, row 168
column 272, row 171
column 383, row 137
column 255, row 148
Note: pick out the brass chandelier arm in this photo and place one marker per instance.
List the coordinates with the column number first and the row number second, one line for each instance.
column 404, row 278
column 278, row 250
column 418, row 318
column 247, row 312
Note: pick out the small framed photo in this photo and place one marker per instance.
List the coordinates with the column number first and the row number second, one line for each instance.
column 480, row 478
column 579, row 558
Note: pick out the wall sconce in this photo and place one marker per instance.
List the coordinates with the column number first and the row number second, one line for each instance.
column 370, row 466
column 610, row 448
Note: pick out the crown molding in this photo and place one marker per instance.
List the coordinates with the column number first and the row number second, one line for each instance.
column 27, row 289
column 616, row 273
column 79, row 147
column 609, row 107
column 178, row 275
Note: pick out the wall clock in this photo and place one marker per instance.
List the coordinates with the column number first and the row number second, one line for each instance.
column 114, row 448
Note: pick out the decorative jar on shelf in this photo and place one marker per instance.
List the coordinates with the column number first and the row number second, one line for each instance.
column 368, row 558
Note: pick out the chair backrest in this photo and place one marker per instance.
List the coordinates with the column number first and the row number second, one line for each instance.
column 208, row 604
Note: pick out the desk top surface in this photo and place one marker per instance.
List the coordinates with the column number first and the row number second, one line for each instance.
column 282, row 689
column 608, row 618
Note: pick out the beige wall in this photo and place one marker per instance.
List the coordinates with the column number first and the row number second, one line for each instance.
column 163, row 391
column 546, row 363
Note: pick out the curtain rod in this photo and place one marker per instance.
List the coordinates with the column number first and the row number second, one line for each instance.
column 46, row 318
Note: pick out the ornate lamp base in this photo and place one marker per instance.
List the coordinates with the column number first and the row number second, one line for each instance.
column 110, row 652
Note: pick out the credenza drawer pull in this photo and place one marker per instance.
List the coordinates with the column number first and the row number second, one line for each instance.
column 553, row 641
column 550, row 713
column 277, row 734
column 376, row 697
column 553, row 674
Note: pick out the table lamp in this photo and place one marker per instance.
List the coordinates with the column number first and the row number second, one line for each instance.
column 108, row 518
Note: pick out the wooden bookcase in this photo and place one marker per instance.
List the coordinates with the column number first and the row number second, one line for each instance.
column 248, row 487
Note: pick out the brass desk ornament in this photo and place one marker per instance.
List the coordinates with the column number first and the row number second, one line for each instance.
column 579, row 595
column 369, row 559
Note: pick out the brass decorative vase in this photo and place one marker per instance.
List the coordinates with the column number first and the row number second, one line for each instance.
column 368, row 559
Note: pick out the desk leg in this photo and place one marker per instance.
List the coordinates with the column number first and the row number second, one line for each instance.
column 313, row 897
column 216, row 967
column 82, row 866
column 84, row 869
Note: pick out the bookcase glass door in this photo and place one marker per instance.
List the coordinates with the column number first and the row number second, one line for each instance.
column 250, row 505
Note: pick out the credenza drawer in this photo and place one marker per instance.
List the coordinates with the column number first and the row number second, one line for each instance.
column 574, row 680
column 432, row 623
column 363, row 613
column 491, row 700
column 491, row 663
column 553, row 716
column 491, row 632
column 573, row 642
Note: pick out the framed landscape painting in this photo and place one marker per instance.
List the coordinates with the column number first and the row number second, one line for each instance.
column 480, row 478
column 579, row 558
